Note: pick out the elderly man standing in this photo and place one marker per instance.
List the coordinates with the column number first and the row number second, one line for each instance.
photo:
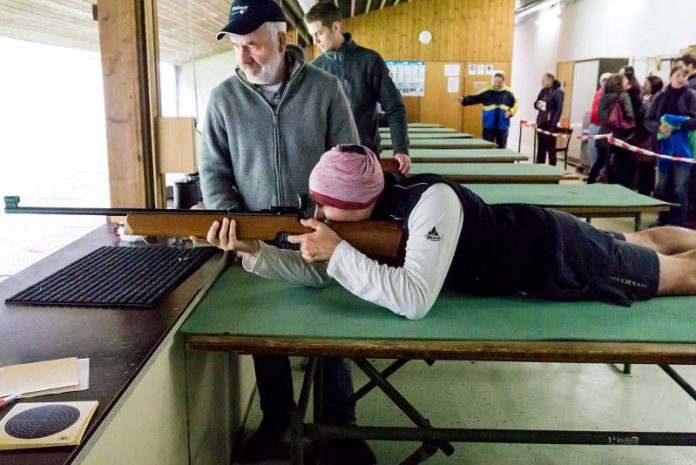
column 265, row 128
column 365, row 78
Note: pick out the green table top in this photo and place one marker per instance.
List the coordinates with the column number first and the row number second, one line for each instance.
column 494, row 172
column 430, row 135
column 424, row 125
column 461, row 155
column 565, row 195
column 472, row 143
column 412, row 130
column 242, row 304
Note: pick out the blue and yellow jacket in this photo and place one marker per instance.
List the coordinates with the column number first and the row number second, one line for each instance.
column 495, row 104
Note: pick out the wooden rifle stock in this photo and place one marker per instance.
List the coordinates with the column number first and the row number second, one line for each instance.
column 381, row 240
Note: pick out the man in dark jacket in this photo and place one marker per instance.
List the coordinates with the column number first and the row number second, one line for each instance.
column 499, row 105
column 365, row 78
column 689, row 62
column 549, row 103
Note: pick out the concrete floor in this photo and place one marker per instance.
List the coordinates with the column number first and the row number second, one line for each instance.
column 530, row 396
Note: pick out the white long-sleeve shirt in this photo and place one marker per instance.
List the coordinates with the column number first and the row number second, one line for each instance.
column 434, row 227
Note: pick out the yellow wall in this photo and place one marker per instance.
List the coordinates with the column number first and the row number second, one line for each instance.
column 463, row 30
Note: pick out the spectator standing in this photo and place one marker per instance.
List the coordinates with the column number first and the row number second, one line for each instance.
column 549, row 104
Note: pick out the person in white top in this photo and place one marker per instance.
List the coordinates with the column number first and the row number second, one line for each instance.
column 455, row 239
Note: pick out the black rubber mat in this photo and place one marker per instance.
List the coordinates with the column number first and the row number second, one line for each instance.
column 138, row 277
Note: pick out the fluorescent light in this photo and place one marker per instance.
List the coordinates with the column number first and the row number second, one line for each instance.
column 538, row 7
column 549, row 17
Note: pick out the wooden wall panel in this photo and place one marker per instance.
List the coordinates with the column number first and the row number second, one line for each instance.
column 121, row 30
column 438, row 105
column 412, row 105
column 564, row 73
column 463, row 30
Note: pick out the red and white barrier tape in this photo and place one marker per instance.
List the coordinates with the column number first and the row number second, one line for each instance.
column 587, row 137
column 625, row 145
column 526, row 124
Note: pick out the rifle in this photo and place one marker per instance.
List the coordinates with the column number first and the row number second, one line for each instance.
column 383, row 241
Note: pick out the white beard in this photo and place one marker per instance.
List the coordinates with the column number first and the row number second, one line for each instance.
column 268, row 71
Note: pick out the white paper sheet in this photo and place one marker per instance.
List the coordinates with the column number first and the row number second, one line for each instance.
column 452, row 69
column 453, row 85
column 39, row 376
column 83, row 384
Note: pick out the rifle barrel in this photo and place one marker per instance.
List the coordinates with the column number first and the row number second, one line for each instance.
column 12, row 206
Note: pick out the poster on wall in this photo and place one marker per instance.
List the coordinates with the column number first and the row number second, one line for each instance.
column 453, row 84
column 409, row 77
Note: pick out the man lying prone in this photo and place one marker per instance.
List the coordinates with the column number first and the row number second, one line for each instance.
column 456, row 240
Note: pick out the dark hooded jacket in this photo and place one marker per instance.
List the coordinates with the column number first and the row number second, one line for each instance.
column 548, row 119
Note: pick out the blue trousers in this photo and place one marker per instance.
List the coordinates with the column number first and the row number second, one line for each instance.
column 673, row 186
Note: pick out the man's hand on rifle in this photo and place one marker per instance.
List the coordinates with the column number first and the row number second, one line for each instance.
column 317, row 246
column 224, row 236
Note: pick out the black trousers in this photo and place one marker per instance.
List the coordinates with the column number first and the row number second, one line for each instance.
column 646, row 176
column 623, row 168
column 496, row 135
column 603, row 151
column 546, row 145
column 274, row 380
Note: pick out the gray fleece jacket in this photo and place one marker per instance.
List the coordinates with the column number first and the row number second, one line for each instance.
column 366, row 81
column 255, row 156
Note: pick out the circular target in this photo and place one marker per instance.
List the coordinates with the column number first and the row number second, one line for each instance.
column 43, row 421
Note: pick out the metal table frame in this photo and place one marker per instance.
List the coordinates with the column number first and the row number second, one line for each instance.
column 434, row 439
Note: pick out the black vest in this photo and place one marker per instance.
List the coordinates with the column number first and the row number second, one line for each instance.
column 501, row 248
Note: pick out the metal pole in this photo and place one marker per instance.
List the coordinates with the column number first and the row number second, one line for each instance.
column 370, row 385
column 400, row 401
column 608, row 438
column 298, row 415
column 319, row 408
column 679, row 380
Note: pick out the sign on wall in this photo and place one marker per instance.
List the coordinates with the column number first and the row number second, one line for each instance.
column 409, row 77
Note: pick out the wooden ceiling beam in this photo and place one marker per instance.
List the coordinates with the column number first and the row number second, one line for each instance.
column 296, row 8
column 296, row 22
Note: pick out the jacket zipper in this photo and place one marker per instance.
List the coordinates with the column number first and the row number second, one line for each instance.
column 276, row 128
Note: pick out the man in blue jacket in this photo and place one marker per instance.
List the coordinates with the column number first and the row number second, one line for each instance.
column 499, row 105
